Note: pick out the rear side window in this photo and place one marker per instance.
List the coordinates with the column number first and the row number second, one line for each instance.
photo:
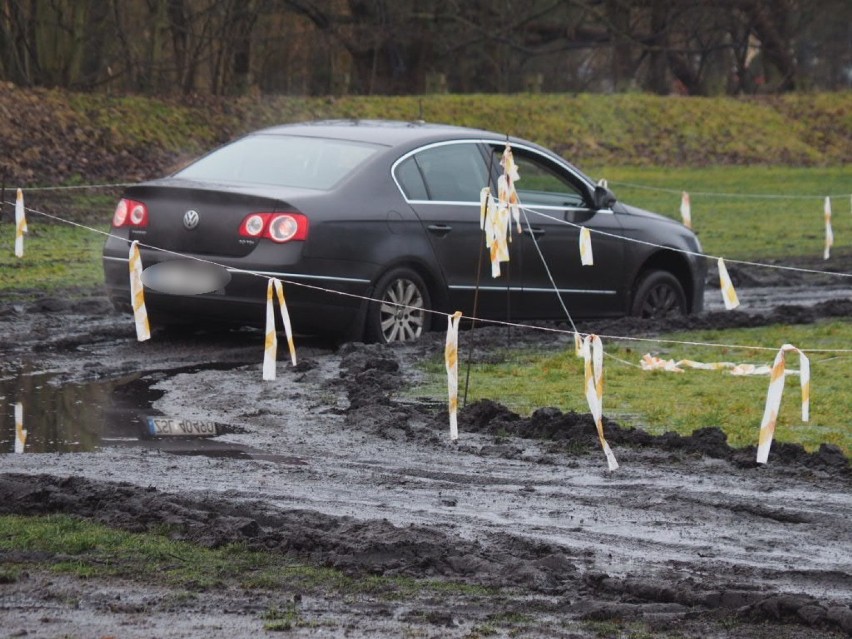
column 280, row 160
column 410, row 180
column 451, row 172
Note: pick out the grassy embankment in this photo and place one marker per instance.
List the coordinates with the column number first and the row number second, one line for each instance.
column 765, row 165
column 714, row 145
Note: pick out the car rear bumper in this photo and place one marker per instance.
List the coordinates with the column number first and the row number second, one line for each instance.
column 316, row 303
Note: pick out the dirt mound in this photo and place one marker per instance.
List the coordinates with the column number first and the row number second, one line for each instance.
column 576, row 432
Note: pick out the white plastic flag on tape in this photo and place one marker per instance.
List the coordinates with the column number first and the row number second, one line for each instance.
column 829, row 235
column 586, row 257
column 686, row 210
column 451, row 359
column 773, row 398
column 20, row 224
column 593, row 352
column 271, row 344
column 137, row 295
column 20, row 433
column 729, row 295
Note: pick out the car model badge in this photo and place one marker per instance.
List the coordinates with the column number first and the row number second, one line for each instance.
column 190, row 219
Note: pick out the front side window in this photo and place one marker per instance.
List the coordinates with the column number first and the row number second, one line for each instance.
column 543, row 183
column 282, row 160
column 449, row 172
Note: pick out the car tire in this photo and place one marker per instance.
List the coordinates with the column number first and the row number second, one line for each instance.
column 658, row 295
column 403, row 313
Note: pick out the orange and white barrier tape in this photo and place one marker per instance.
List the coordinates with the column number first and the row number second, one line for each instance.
column 829, row 235
column 494, row 219
column 729, row 295
column 496, row 226
column 773, row 398
column 137, row 295
column 451, row 360
column 510, row 196
column 651, row 363
column 593, row 352
column 271, row 342
column 500, row 245
column 751, row 369
column 586, row 257
column 686, row 210
column 20, row 433
column 20, row 224
column 578, row 345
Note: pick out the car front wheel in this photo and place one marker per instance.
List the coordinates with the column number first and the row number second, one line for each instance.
column 402, row 314
column 658, row 295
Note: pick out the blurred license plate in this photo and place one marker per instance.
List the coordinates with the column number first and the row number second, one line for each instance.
column 166, row 427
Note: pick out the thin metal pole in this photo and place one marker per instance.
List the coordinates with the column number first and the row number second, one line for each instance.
column 476, row 290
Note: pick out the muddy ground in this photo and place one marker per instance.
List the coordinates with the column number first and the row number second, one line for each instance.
column 335, row 464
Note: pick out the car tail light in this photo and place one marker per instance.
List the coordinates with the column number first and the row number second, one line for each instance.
column 278, row 227
column 130, row 213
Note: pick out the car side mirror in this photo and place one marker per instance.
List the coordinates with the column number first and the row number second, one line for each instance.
column 603, row 198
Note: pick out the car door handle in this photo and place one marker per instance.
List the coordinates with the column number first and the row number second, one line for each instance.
column 439, row 229
column 535, row 231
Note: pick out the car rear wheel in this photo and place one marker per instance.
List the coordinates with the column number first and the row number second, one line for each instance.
column 658, row 295
column 402, row 315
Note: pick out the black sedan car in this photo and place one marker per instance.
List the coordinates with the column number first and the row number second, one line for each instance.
column 371, row 225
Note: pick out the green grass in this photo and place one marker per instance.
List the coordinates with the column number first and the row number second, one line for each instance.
column 528, row 379
column 89, row 550
column 741, row 225
column 56, row 258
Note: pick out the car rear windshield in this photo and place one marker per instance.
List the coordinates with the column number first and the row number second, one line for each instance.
column 280, row 160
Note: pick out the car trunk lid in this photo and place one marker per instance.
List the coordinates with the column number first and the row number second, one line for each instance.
column 199, row 219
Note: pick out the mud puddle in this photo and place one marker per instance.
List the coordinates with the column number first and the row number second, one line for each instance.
column 61, row 416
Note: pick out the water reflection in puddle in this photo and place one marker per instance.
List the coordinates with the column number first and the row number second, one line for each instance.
column 74, row 417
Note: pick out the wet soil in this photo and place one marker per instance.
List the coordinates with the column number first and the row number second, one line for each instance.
column 333, row 464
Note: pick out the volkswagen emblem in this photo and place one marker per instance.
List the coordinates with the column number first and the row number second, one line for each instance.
column 190, row 220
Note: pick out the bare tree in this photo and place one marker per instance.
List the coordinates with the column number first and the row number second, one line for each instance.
column 411, row 46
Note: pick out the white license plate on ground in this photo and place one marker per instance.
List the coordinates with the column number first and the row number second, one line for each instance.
column 167, row 427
